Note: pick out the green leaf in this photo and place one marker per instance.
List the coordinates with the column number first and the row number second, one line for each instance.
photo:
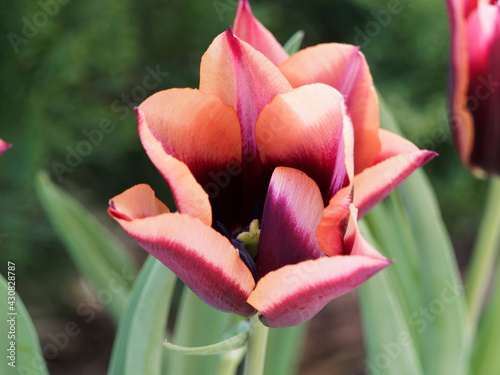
column 389, row 342
column 293, row 44
column 197, row 324
column 405, row 272
column 283, row 349
column 487, row 344
column 137, row 348
column 28, row 354
column 235, row 342
column 441, row 317
column 95, row 252
column 486, row 249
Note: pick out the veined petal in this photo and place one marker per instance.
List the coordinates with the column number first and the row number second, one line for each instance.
column 461, row 122
column 4, row 146
column 343, row 67
column 244, row 79
column 187, row 129
column 202, row 258
column 304, row 129
column 295, row 293
column 249, row 29
column 292, row 212
column 397, row 160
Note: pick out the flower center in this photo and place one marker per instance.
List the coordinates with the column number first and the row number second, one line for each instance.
column 250, row 239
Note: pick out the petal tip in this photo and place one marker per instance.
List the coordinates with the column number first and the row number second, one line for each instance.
column 115, row 213
column 427, row 156
column 4, row 146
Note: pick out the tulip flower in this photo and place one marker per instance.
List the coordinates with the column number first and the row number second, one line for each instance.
column 262, row 175
column 474, row 86
column 4, row 146
column 376, row 151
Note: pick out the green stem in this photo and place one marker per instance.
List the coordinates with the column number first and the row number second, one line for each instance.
column 230, row 361
column 257, row 343
column 485, row 251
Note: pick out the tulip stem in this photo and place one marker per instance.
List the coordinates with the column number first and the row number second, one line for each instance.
column 485, row 251
column 257, row 343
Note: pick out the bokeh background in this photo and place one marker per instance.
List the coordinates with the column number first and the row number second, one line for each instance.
column 84, row 62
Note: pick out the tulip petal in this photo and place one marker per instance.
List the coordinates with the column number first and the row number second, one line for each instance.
column 295, row 293
column 343, row 67
column 461, row 122
column 292, row 212
column 398, row 158
column 4, row 146
column 249, row 29
column 243, row 78
column 202, row 258
column 483, row 28
column 137, row 202
column 355, row 243
column 333, row 224
column 186, row 129
column 304, row 129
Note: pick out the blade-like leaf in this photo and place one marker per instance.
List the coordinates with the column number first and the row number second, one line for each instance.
column 197, row 324
column 17, row 328
column 95, row 252
column 137, row 348
column 388, row 338
column 235, row 342
column 487, row 344
column 293, row 44
column 283, row 349
column 441, row 318
column 390, row 229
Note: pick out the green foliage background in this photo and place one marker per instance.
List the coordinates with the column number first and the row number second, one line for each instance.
column 75, row 70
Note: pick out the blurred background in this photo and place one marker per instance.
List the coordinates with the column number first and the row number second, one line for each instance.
column 67, row 67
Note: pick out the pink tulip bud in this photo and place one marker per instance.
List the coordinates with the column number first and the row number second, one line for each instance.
column 475, row 82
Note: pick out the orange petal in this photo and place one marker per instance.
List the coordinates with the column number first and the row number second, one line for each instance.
column 189, row 196
column 304, row 129
column 333, row 224
column 137, row 202
column 397, row 160
column 196, row 129
column 249, row 29
column 244, row 79
column 343, row 67
column 295, row 293
column 205, row 260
